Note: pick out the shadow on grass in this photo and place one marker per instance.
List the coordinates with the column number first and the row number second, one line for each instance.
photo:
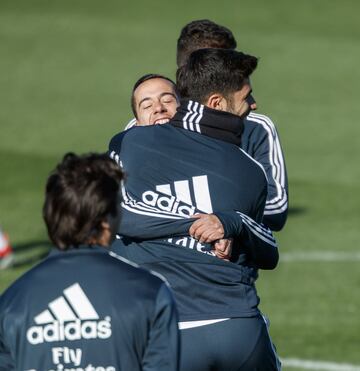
column 30, row 252
column 296, row 210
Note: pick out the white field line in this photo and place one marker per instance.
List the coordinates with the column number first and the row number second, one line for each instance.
column 318, row 365
column 324, row 256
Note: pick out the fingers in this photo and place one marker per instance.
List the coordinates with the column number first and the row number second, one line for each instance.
column 223, row 248
column 211, row 235
column 196, row 224
column 207, row 228
column 206, row 234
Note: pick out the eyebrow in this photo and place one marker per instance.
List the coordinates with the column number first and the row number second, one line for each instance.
column 161, row 95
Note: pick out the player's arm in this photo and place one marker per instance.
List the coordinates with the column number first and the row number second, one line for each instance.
column 142, row 222
column 162, row 351
column 267, row 151
column 256, row 238
column 114, row 148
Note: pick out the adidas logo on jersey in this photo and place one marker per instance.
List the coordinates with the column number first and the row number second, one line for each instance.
column 186, row 200
column 69, row 317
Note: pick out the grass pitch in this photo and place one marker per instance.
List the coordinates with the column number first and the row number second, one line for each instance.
column 67, row 72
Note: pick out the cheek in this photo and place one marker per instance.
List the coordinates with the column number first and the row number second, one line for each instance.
column 172, row 109
column 144, row 117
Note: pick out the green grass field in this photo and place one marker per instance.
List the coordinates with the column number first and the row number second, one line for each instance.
column 67, row 69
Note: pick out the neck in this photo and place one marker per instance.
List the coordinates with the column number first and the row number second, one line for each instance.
column 204, row 120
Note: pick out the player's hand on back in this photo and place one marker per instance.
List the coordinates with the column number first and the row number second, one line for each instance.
column 207, row 228
column 223, row 248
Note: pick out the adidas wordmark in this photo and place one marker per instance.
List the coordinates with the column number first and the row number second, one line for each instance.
column 69, row 317
column 187, row 198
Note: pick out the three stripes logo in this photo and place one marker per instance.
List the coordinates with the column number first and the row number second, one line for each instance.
column 182, row 197
column 69, row 317
column 191, row 120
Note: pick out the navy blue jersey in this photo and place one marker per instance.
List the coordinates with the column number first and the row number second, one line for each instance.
column 84, row 309
column 261, row 141
column 193, row 164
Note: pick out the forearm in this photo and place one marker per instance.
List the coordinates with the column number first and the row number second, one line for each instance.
column 256, row 238
column 143, row 222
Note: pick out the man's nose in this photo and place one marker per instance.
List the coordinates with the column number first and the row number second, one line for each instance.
column 159, row 107
column 251, row 102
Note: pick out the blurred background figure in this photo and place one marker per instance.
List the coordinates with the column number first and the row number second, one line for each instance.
column 6, row 251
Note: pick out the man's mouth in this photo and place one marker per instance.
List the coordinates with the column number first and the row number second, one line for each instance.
column 161, row 120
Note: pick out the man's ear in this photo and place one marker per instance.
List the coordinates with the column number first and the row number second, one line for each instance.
column 216, row 101
column 105, row 225
column 105, row 237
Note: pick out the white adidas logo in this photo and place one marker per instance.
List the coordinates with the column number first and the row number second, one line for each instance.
column 186, row 201
column 69, row 317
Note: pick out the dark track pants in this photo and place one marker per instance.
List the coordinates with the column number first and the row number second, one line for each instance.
column 235, row 344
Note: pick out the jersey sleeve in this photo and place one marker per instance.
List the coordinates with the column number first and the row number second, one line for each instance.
column 114, row 148
column 162, row 352
column 266, row 150
column 140, row 221
column 254, row 237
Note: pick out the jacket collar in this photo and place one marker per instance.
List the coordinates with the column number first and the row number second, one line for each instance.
column 216, row 124
column 80, row 249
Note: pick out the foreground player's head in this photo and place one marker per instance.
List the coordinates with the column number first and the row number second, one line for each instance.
column 200, row 34
column 154, row 100
column 218, row 78
column 81, row 201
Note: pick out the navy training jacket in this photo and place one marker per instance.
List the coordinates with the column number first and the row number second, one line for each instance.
column 83, row 309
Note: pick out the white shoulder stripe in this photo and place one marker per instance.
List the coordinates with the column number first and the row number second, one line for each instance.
column 124, row 260
column 262, row 237
column 256, row 162
column 130, row 124
column 138, row 207
column 192, row 118
column 276, row 210
column 261, row 227
column 260, row 231
column 149, row 213
column 276, row 160
column 127, row 261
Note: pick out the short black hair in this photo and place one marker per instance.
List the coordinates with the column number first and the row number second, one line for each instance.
column 142, row 79
column 202, row 33
column 210, row 71
column 80, row 194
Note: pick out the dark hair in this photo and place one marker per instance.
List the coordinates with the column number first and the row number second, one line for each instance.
column 209, row 71
column 81, row 193
column 142, row 79
column 200, row 34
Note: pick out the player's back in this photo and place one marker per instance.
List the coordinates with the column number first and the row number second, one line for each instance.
column 182, row 172
column 67, row 312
